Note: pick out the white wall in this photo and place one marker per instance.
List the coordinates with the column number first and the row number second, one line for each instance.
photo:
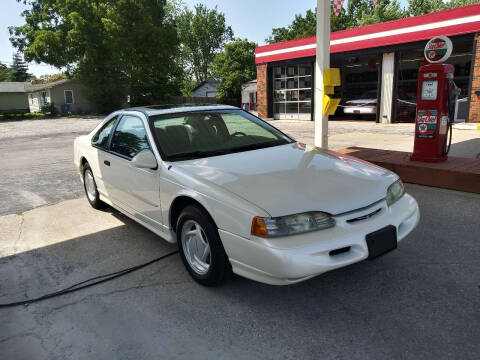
column 35, row 100
column 246, row 90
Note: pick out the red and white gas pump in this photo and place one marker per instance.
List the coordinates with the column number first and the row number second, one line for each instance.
column 436, row 97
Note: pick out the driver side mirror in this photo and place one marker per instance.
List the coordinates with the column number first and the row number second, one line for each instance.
column 145, row 160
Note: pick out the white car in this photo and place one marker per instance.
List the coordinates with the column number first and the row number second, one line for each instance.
column 365, row 105
column 238, row 195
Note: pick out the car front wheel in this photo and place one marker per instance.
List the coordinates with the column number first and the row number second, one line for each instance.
column 200, row 246
column 90, row 187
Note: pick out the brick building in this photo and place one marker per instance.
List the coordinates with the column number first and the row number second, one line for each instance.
column 381, row 58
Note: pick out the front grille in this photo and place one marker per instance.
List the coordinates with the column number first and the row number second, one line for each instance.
column 364, row 217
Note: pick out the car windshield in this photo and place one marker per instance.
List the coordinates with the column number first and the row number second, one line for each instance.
column 201, row 134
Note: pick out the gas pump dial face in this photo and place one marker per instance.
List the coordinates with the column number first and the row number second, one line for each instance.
column 429, row 90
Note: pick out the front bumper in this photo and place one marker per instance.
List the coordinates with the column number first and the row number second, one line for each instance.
column 287, row 260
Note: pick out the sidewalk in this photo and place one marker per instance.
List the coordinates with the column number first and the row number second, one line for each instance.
column 398, row 137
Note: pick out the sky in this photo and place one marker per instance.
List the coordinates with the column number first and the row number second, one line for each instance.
column 250, row 19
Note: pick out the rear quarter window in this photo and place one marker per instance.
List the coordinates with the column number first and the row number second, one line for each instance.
column 100, row 139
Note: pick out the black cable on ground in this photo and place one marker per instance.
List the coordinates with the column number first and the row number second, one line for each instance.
column 87, row 283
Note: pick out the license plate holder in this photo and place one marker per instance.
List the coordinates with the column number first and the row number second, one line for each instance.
column 381, row 241
column 356, row 111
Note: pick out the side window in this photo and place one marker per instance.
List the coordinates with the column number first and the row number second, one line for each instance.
column 100, row 139
column 130, row 137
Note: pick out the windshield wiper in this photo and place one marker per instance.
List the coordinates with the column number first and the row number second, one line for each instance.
column 197, row 154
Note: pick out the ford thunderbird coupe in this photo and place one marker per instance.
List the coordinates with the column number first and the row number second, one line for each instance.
column 236, row 194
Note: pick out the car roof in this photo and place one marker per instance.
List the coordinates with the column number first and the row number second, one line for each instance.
column 172, row 109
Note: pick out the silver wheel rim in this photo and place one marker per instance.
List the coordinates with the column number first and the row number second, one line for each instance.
column 90, row 186
column 196, row 247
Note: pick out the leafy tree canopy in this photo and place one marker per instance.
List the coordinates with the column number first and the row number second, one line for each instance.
column 203, row 33
column 45, row 79
column 384, row 10
column 234, row 66
column 117, row 47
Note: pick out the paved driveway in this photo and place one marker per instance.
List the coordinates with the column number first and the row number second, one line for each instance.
column 421, row 301
column 36, row 166
column 399, row 137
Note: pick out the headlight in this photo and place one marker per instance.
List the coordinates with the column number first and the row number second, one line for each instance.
column 395, row 192
column 291, row 224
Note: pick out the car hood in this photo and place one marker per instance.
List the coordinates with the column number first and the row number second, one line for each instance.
column 290, row 179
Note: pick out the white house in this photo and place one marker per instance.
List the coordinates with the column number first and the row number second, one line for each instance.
column 207, row 88
column 249, row 96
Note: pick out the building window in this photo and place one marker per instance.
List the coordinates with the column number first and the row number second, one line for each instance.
column 31, row 98
column 68, row 96
column 292, row 91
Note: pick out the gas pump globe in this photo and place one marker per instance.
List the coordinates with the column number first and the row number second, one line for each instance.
column 436, row 97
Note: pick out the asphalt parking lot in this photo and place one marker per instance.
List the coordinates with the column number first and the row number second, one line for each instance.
column 421, row 301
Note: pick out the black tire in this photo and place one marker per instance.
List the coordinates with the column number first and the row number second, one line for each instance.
column 219, row 266
column 95, row 202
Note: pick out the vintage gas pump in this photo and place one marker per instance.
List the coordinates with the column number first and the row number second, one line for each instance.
column 436, row 97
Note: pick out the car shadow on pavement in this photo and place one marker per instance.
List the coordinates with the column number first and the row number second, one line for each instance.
column 421, row 299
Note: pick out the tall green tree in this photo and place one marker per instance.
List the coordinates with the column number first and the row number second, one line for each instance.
column 117, row 47
column 203, row 33
column 234, row 66
column 420, row 7
column 302, row 26
column 4, row 72
column 384, row 10
column 19, row 69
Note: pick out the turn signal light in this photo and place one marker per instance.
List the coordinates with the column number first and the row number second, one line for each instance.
column 258, row 227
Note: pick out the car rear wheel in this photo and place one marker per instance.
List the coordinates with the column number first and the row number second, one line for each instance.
column 90, row 187
column 200, row 246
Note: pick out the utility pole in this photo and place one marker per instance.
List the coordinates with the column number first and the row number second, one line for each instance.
column 322, row 62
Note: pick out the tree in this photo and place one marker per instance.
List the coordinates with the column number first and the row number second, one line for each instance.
column 420, row 7
column 45, row 79
column 4, row 72
column 203, row 33
column 302, row 26
column 384, row 10
column 234, row 66
column 19, row 69
column 117, row 48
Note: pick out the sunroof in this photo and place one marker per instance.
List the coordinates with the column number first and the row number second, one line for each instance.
column 170, row 106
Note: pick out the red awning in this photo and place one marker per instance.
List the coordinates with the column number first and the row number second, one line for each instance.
column 459, row 21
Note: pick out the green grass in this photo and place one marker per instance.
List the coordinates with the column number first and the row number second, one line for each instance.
column 19, row 116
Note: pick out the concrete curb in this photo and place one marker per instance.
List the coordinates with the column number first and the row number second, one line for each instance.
column 465, row 126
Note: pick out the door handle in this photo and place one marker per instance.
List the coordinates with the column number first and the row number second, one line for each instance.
column 106, row 162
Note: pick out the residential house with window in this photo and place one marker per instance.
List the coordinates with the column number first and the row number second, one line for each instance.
column 66, row 95
column 207, row 88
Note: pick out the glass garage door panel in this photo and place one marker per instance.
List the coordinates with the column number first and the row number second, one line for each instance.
column 292, row 87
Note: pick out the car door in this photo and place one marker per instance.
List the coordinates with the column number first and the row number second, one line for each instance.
column 100, row 142
column 134, row 190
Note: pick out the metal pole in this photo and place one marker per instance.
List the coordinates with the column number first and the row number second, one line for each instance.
column 322, row 62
